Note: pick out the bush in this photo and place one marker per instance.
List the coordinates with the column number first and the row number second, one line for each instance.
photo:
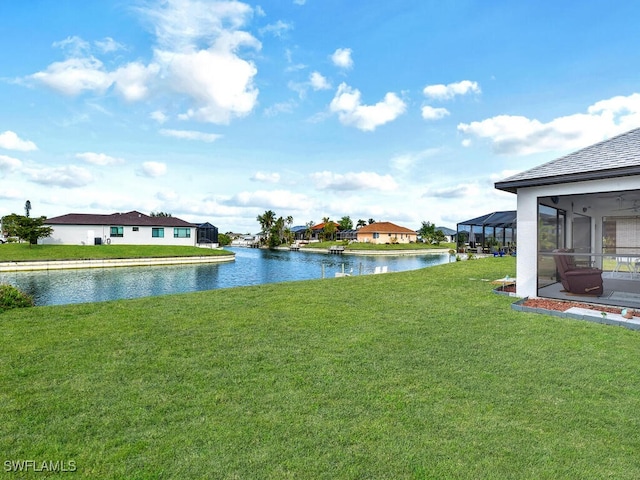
column 11, row 297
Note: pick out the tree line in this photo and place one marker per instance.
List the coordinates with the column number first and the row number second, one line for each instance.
column 277, row 231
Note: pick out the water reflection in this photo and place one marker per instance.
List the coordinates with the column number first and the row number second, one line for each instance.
column 251, row 267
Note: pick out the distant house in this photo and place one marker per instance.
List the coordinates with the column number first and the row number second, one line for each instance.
column 385, row 232
column 317, row 231
column 131, row 228
column 449, row 234
column 299, row 232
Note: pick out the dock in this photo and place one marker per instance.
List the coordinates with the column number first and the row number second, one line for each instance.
column 336, row 249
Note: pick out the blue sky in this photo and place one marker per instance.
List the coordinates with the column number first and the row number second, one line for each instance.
column 216, row 111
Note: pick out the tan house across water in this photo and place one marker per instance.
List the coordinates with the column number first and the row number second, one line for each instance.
column 385, row 232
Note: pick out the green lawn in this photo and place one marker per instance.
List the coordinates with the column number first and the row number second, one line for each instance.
column 17, row 252
column 421, row 374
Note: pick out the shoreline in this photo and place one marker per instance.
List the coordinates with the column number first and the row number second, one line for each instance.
column 109, row 262
column 438, row 251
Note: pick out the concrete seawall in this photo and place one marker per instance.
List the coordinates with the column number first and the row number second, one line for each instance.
column 110, row 262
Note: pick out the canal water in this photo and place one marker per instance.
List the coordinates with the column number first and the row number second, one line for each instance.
column 251, row 267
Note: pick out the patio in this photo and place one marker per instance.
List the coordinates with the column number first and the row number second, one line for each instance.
column 620, row 289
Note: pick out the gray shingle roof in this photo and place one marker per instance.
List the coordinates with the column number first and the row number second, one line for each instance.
column 132, row 218
column 615, row 157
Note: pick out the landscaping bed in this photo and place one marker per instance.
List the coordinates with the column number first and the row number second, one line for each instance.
column 557, row 305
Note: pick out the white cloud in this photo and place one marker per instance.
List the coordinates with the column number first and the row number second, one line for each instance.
column 266, row 177
column 299, row 2
column 266, row 199
column 276, row 29
column 347, row 104
column 183, row 26
column 406, row 161
column 153, row 169
column 318, row 81
column 219, row 83
column 277, row 108
column 431, row 113
column 198, row 54
column 159, row 116
column 66, row 177
column 74, row 76
column 11, row 194
column 342, row 58
column 74, row 45
column 353, row 181
column 191, row 135
column 8, row 164
column 455, row 191
column 99, row 159
column 518, row 135
column 10, row 141
column 446, row 92
column 131, row 80
column 108, row 45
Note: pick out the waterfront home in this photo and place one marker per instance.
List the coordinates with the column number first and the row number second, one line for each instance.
column 385, row 232
column 588, row 202
column 130, row 228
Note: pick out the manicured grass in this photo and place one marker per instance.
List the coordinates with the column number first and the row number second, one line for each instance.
column 17, row 252
column 421, row 374
column 382, row 247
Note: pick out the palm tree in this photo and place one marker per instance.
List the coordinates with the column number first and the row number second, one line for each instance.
column 329, row 229
column 266, row 221
column 346, row 223
column 361, row 223
column 308, row 232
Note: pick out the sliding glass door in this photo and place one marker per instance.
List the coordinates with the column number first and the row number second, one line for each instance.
column 551, row 235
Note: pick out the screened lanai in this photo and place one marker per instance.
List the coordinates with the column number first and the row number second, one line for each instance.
column 493, row 232
column 579, row 217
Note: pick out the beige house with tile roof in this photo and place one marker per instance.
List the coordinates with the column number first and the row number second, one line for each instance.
column 385, row 232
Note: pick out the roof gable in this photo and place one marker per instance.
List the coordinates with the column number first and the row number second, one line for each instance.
column 615, row 157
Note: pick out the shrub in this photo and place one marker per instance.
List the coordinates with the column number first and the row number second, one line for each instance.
column 11, row 297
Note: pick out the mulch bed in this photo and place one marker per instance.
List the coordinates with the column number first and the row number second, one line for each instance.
column 561, row 305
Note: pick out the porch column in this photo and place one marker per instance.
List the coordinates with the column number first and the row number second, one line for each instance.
column 527, row 258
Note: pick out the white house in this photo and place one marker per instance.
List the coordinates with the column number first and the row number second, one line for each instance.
column 588, row 201
column 131, row 228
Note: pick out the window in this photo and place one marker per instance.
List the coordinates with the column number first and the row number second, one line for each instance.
column 376, row 235
column 181, row 233
column 157, row 232
column 117, row 231
column 135, row 229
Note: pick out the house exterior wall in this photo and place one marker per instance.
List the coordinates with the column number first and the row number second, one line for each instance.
column 527, row 259
column 86, row 234
column 381, row 238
